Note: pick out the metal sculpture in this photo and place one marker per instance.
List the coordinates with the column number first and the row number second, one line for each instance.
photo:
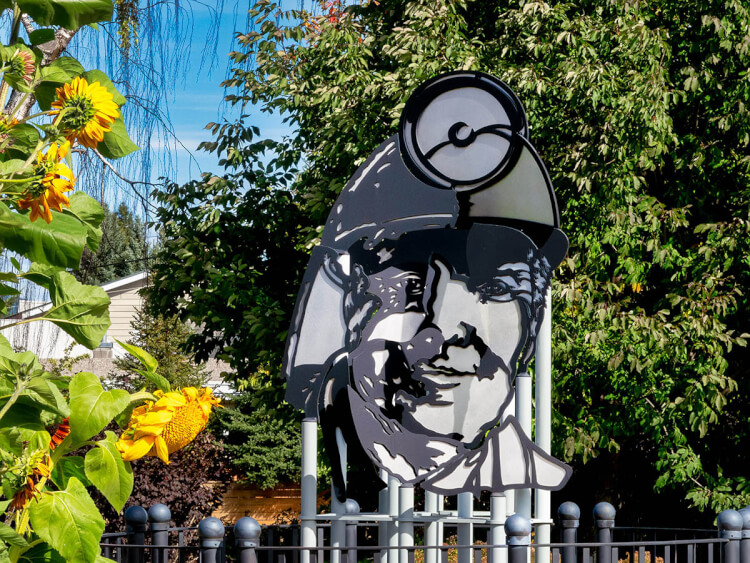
column 422, row 303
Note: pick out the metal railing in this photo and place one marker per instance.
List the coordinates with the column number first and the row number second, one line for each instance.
column 149, row 539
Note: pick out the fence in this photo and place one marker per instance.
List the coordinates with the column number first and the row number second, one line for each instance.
column 149, row 538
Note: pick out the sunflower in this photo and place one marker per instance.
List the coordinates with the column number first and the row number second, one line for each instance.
column 52, row 177
column 22, row 65
column 161, row 428
column 89, row 110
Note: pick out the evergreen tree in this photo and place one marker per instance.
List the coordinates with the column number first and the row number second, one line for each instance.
column 163, row 338
column 123, row 250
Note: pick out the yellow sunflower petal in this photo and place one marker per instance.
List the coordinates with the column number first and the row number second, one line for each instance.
column 162, row 451
column 135, row 449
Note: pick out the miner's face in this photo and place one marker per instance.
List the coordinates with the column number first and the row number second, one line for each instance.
column 439, row 353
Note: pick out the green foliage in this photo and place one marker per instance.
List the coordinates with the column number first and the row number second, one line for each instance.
column 263, row 448
column 122, row 252
column 640, row 111
column 158, row 341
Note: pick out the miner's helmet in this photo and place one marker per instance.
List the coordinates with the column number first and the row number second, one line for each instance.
column 461, row 162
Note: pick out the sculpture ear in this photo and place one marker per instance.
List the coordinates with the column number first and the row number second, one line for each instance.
column 318, row 328
column 556, row 247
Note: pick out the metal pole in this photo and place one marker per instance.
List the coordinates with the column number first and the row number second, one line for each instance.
column 543, row 425
column 393, row 512
column 405, row 521
column 135, row 527
column 309, row 488
column 518, row 532
column 431, row 528
column 730, row 526
column 211, row 535
column 497, row 528
column 338, row 526
column 159, row 516
column 351, row 507
column 441, row 534
column 465, row 529
column 569, row 518
column 246, row 539
column 523, row 414
column 383, row 508
column 604, row 521
column 745, row 544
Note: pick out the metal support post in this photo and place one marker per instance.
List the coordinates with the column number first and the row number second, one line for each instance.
column 523, row 414
column 745, row 544
column 211, row 535
column 405, row 521
column 569, row 518
column 518, row 532
column 351, row 507
column 465, row 529
column 730, row 523
column 246, row 539
column 338, row 527
column 604, row 521
column 383, row 508
column 135, row 528
column 431, row 539
column 497, row 528
column 543, row 425
column 159, row 516
column 393, row 512
column 309, row 488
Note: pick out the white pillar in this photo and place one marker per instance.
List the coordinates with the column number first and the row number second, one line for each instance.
column 309, row 487
column 383, row 508
column 465, row 529
column 523, row 414
column 543, row 411
column 393, row 486
column 431, row 538
column 497, row 528
column 338, row 527
column 405, row 521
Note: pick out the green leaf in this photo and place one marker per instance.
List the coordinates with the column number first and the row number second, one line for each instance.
column 91, row 407
column 41, row 553
column 24, row 135
column 95, row 75
column 11, row 441
column 39, row 36
column 69, row 522
column 117, row 143
column 70, row 14
column 10, row 166
column 80, row 310
column 109, row 473
column 26, row 416
column 59, row 243
column 67, row 467
column 47, row 394
column 88, row 211
column 150, row 364
column 9, row 536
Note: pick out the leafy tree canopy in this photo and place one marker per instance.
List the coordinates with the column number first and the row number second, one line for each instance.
column 640, row 111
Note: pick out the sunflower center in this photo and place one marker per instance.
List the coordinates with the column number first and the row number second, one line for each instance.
column 79, row 110
column 185, row 425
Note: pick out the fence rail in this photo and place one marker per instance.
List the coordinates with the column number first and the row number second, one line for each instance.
column 149, row 539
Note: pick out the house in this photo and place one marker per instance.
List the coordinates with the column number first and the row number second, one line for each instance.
column 48, row 341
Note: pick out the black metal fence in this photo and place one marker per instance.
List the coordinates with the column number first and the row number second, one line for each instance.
column 149, row 539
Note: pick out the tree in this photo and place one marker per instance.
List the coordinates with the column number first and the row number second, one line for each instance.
column 123, row 250
column 163, row 338
column 640, row 111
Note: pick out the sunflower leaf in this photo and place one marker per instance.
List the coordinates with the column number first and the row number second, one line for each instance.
column 59, row 243
column 69, row 522
column 91, row 407
column 70, row 14
column 108, row 472
column 41, row 553
column 88, row 211
column 116, row 143
column 67, row 467
column 80, row 310
column 9, row 536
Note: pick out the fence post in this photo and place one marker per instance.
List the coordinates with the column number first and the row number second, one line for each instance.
column 604, row 521
column 159, row 516
column 351, row 506
column 745, row 543
column 246, row 539
column 135, row 527
column 518, row 537
column 211, row 534
column 730, row 527
column 569, row 516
